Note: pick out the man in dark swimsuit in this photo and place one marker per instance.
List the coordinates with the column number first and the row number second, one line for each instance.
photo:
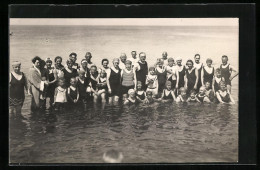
column 73, row 59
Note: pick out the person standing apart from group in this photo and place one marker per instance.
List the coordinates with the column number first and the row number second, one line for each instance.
column 226, row 72
column 207, row 73
column 142, row 70
column 123, row 58
column 198, row 65
column 191, row 82
column 113, row 82
column 17, row 85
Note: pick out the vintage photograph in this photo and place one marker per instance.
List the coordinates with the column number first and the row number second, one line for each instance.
column 123, row 90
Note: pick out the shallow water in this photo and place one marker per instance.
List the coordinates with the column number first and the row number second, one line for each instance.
column 144, row 134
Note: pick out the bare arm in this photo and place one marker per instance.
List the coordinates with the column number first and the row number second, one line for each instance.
column 213, row 85
column 26, row 83
column 108, row 83
column 173, row 95
column 197, row 78
column 202, row 76
column 177, row 78
column 219, row 98
column 135, row 80
column 233, row 71
column 55, row 94
column 55, row 77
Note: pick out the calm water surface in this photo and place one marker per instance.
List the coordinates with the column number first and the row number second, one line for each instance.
column 144, row 134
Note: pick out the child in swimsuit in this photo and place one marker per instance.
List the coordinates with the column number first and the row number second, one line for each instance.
column 140, row 93
column 131, row 99
column 60, row 95
column 216, row 79
column 73, row 94
column 223, row 95
column 182, row 96
column 193, row 97
column 201, row 96
column 209, row 92
column 152, row 81
column 149, row 98
column 168, row 94
column 101, row 87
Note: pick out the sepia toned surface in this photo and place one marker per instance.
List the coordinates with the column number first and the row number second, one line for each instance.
column 144, row 134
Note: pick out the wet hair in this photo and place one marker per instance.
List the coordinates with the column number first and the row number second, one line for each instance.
column 35, row 59
column 209, row 60
column 190, row 61
column 151, row 68
column 224, row 56
column 84, row 61
column 170, row 59
column 193, row 91
column 42, row 63
column 196, row 55
column 104, row 60
column 71, row 54
column 58, row 57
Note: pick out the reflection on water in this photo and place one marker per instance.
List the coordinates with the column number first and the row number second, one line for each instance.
column 155, row 133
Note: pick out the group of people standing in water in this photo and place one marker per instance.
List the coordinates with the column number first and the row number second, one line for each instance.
column 54, row 86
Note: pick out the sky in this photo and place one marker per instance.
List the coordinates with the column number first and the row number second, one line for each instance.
column 128, row 21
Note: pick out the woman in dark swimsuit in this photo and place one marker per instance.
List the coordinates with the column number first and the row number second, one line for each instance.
column 205, row 75
column 17, row 83
column 52, row 74
column 191, row 77
column 162, row 75
column 113, row 81
column 69, row 73
column 181, row 70
column 142, row 70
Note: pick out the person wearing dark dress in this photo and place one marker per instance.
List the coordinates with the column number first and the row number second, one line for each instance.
column 52, row 74
column 162, row 75
column 113, row 82
column 69, row 73
column 17, row 84
column 198, row 65
column 191, row 81
column 82, row 85
column 73, row 95
column 207, row 73
column 142, row 70
column 182, row 70
column 73, row 59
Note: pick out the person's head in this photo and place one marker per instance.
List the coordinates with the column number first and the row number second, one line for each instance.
column 16, row 66
column 159, row 62
column 93, row 69
column 58, row 60
column 192, row 93
column 139, row 85
column 182, row 91
column 179, row 61
column 81, row 74
column 197, row 58
column 224, row 59
column 88, row 56
column 152, row 70
column 37, row 62
column 168, row 85
column 170, row 62
column 131, row 93
column 61, row 82
column 189, row 64
column 149, row 95
column 218, row 73
column 164, row 55
column 222, row 85
column 113, row 156
column 133, row 53
column 48, row 62
column 103, row 74
column 207, row 85
column 73, row 81
column 84, row 64
column 142, row 56
column 44, row 78
column 209, row 62
column 202, row 90
column 123, row 57
column 73, row 57
column 128, row 64
column 42, row 64
column 116, row 62
column 105, row 63
column 69, row 64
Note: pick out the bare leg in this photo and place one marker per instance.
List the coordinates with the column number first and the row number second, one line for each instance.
column 103, row 97
column 95, row 98
column 116, row 99
column 206, row 99
column 110, row 100
column 229, row 88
